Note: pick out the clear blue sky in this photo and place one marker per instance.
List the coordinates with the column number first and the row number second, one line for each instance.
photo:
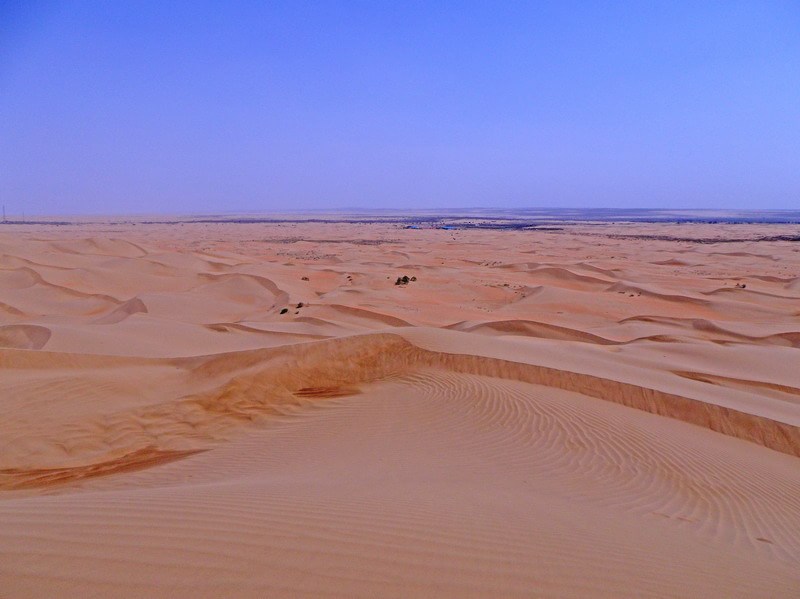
column 140, row 106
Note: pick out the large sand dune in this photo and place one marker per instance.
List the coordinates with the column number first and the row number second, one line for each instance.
column 207, row 409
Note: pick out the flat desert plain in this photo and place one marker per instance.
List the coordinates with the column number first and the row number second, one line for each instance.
column 210, row 409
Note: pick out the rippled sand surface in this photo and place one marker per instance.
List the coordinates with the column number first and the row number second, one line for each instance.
column 253, row 410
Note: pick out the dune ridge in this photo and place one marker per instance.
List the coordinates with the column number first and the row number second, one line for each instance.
column 22, row 336
column 262, row 383
column 258, row 409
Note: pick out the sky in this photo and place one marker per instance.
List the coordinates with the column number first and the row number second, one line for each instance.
column 198, row 107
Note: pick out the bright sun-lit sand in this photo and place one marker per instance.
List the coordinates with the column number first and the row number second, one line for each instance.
column 589, row 412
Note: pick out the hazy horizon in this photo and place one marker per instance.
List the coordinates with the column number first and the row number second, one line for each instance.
column 343, row 214
column 109, row 108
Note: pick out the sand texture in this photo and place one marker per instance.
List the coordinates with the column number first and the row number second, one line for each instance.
column 259, row 410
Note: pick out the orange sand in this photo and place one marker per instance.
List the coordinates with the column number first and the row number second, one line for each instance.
column 550, row 414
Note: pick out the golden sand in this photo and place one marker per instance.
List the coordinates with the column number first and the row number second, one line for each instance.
column 259, row 410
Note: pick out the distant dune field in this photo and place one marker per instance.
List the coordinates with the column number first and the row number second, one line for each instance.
column 208, row 409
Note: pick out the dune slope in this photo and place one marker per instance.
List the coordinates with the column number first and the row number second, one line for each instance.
column 233, row 410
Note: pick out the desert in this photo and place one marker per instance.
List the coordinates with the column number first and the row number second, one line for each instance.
column 266, row 407
column 371, row 300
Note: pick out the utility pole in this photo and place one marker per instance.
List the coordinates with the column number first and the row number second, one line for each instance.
column 4, row 213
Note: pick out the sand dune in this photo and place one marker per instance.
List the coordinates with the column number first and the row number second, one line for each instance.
column 132, row 306
column 531, row 329
column 24, row 336
column 564, row 277
column 194, row 411
column 647, row 291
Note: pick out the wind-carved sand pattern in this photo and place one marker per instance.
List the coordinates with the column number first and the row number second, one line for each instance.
column 207, row 409
column 14, row 478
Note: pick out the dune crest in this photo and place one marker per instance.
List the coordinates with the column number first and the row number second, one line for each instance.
column 257, row 409
column 24, row 336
